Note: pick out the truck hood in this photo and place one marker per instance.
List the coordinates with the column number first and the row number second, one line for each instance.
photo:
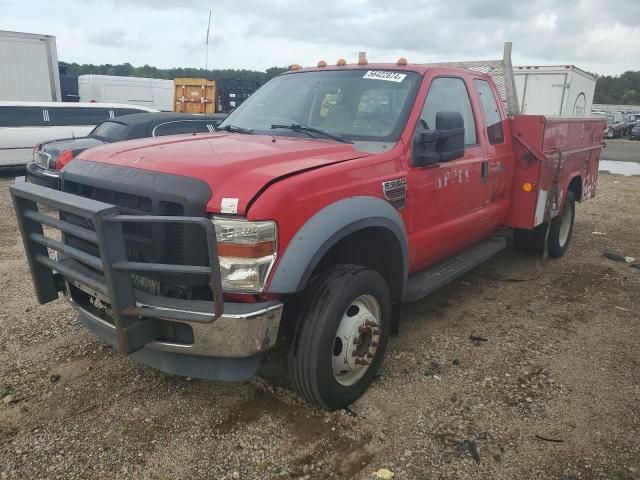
column 234, row 165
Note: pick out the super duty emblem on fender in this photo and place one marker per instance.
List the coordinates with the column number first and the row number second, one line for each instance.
column 395, row 192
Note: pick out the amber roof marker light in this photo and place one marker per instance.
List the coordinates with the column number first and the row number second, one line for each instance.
column 341, row 62
column 402, row 61
column 295, row 66
column 322, row 64
column 362, row 58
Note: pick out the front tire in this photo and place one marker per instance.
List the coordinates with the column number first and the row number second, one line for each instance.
column 341, row 336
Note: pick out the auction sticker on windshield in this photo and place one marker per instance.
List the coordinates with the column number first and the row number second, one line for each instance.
column 387, row 76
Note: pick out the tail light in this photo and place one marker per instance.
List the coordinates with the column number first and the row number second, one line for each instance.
column 63, row 158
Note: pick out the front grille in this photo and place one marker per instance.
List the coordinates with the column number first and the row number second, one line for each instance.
column 144, row 242
column 174, row 233
column 129, row 201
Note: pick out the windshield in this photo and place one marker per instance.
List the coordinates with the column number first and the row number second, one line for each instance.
column 110, row 131
column 354, row 104
column 609, row 119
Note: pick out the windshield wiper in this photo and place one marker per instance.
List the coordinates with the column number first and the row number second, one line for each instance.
column 235, row 129
column 311, row 130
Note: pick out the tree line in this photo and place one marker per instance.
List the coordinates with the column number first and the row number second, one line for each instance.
column 128, row 70
column 620, row 89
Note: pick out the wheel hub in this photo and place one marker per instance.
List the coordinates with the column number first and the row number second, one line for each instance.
column 357, row 339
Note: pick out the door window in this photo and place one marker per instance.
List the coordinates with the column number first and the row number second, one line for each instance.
column 112, row 131
column 66, row 116
column 491, row 111
column 23, row 117
column 449, row 94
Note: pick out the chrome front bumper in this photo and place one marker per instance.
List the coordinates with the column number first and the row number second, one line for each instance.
column 243, row 330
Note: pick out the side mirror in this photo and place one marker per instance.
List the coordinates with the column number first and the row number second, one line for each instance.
column 443, row 144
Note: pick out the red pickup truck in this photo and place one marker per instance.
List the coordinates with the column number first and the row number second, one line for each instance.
column 328, row 196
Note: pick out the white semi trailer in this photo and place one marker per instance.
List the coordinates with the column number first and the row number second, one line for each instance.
column 29, row 65
column 554, row 90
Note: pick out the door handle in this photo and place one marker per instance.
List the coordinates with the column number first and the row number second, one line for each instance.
column 484, row 171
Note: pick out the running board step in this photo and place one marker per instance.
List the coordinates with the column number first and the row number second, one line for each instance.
column 431, row 279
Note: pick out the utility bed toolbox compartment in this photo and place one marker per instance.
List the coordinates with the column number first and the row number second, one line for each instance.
column 550, row 154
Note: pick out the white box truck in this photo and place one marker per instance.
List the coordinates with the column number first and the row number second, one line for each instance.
column 147, row 92
column 29, row 67
column 554, row 90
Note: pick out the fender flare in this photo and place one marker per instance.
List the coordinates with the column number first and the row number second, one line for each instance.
column 324, row 229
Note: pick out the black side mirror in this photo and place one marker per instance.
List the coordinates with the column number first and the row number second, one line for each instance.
column 444, row 143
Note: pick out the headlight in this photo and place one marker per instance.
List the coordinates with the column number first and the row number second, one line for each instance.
column 247, row 251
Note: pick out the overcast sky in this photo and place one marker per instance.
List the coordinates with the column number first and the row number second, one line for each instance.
column 598, row 36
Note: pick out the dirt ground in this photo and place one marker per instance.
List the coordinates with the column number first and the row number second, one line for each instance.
column 551, row 391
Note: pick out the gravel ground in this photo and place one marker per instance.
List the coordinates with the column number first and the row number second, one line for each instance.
column 551, row 391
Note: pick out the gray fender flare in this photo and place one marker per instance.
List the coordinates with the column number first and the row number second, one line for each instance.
column 324, row 229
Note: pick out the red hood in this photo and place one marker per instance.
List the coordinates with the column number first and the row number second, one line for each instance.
column 233, row 165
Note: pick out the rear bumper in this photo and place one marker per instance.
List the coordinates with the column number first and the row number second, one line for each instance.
column 40, row 176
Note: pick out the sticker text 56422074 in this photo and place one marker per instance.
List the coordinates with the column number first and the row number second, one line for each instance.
column 385, row 75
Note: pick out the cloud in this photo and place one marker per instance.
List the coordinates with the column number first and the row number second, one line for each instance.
column 108, row 37
column 258, row 34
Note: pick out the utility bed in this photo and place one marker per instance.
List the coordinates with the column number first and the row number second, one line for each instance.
column 549, row 153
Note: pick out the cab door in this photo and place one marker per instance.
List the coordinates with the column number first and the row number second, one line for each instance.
column 448, row 199
column 499, row 153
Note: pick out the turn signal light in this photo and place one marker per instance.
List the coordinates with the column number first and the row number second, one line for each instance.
column 240, row 250
column 528, row 187
column 63, row 158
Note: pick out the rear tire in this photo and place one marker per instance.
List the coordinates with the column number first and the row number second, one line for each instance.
column 336, row 332
column 562, row 228
column 559, row 234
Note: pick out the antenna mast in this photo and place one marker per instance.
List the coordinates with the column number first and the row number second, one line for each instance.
column 206, row 57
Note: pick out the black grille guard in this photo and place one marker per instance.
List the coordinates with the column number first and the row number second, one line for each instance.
column 134, row 316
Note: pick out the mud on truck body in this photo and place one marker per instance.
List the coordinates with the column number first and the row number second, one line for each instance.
column 330, row 195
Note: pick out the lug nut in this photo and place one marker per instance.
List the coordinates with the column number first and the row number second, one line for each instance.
column 361, row 362
column 369, row 323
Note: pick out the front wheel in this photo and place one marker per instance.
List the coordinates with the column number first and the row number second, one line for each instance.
column 341, row 336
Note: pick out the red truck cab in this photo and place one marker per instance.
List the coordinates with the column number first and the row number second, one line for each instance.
column 328, row 196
